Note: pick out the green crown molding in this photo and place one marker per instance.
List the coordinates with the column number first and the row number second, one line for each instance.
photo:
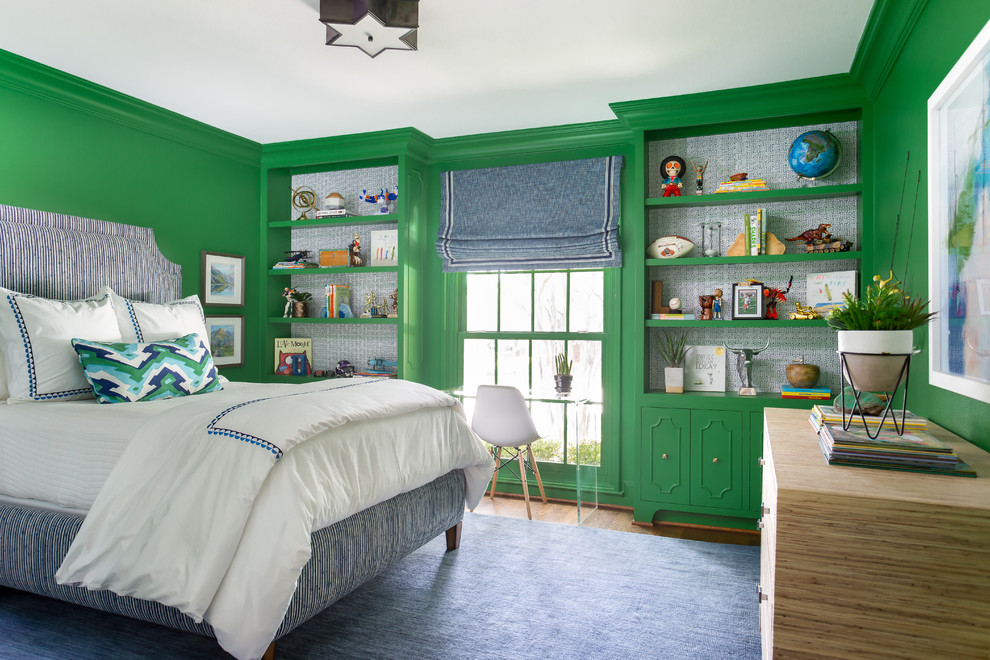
column 29, row 77
column 887, row 31
column 346, row 149
column 533, row 143
column 794, row 97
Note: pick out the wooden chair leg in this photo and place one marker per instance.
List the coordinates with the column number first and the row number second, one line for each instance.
column 522, row 476
column 269, row 652
column 536, row 471
column 454, row 536
column 498, row 461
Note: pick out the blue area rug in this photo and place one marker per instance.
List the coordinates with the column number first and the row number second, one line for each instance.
column 515, row 589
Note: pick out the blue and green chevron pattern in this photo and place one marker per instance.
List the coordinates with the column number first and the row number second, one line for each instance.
column 122, row 373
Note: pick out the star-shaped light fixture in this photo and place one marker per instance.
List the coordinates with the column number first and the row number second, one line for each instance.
column 371, row 25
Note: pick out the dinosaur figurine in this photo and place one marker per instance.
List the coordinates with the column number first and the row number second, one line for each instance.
column 820, row 234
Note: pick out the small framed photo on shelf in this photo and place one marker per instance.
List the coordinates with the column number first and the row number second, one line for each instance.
column 226, row 336
column 222, row 277
column 747, row 301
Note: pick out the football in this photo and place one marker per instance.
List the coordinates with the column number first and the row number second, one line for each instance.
column 669, row 247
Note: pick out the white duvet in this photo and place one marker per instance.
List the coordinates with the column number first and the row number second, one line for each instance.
column 210, row 507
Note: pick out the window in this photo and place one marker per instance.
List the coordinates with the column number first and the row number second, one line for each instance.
column 513, row 326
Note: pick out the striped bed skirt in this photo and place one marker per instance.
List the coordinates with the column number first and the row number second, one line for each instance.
column 345, row 555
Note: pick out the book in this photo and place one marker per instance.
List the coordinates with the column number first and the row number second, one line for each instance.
column 918, row 440
column 741, row 186
column 704, row 369
column 331, row 213
column 790, row 392
column 385, row 247
column 824, row 290
column 833, row 415
column 763, row 231
column 754, row 235
column 337, row 295
column 293, row 356
column 957, row 468
column 672, row 317
column 284, row 265
column 747, row 235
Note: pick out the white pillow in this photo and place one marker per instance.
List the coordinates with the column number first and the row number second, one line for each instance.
column 147, row 322
column 35, row 334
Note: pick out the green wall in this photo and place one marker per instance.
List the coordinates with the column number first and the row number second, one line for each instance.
column 943, row 30
column 70, row 146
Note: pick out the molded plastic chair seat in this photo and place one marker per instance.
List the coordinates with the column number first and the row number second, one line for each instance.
column 502, row 418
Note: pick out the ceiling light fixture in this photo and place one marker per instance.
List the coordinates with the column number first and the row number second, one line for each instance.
column 371, row 25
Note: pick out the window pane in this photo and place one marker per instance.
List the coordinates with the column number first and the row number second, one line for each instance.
column 587, row 301
column 549, row 420
column 482, row 296
column 551, row 302
column 513, row 363
column 587, row 370
column 516, row 302
column 590, row 430
column 543, row 365
column 479, row 364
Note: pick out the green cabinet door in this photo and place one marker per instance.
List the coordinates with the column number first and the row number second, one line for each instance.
column 666, row 455
column 717, row 459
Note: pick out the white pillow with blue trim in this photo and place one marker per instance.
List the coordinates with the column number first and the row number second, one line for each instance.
column 127, row 373
column 35, row 334
column 145, row 322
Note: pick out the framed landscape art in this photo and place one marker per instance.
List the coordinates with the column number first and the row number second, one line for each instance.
column 226, row 335
column 959, row 224
column 222, row 278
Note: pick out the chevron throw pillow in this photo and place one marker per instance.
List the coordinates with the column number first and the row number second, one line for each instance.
column 122, row 373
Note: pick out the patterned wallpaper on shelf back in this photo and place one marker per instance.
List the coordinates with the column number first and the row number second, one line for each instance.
column 761, row 154
column 350, row 183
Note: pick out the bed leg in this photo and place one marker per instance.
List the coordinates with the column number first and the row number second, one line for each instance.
column 269, row 652
column 454, row 537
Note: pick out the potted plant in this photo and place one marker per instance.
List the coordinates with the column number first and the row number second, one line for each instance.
column 562, row 378
column 875, row 333
column 300, row 303
column 673, row 349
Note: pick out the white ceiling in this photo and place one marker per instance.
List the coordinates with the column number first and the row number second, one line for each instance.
column 260, row 69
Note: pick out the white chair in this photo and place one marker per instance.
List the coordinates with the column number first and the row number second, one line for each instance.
column 502, row 418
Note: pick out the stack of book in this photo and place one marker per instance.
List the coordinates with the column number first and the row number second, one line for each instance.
column 755, row 232
column 915, row 451
column 832, row 415
column 282, row 265
column 672, row 317
column 745, row 185
column 811, row 393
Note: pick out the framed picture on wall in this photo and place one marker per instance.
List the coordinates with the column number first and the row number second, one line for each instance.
column 226, row 339
column 747, row 301
column 222, row 277
column 959, row 225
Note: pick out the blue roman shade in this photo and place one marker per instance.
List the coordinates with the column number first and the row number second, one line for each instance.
column 522, row 217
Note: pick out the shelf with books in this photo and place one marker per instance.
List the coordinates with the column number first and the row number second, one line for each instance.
column 762, row 323
column 755, row 259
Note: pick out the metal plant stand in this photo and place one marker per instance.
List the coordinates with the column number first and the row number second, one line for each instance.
column 902, row 379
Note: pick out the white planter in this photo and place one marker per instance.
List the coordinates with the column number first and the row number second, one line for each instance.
column 673, row 378
column 876, row 341
column 874, row 359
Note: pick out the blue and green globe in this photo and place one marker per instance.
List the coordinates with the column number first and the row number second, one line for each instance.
column 815, row 154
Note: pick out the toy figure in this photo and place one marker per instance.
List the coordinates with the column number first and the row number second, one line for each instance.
column 717, row 305
column 804, row 313
column 811, row 235
column 773, row 296
column 287, row 293
column 706, row 307
column 672, row 185
column 395, row 303
column 699, row 173
column 354, row 251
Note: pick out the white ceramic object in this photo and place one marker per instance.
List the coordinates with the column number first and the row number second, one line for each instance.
column 669, row 247
column 673, row 378
column 894, row 342
column 875, row 358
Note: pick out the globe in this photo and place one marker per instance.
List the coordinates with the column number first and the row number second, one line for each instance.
column 815, row 154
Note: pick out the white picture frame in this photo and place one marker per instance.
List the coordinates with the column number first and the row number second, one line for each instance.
column 959, row 337
column 824, row 290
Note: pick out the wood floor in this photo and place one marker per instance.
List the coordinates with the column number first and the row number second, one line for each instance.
column 565, row 513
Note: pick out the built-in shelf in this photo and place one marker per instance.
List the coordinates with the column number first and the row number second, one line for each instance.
column 284, row 272
column 761, row 323
column 345, row 220
column 758, row 196
column 358, row 320
column 758, row 259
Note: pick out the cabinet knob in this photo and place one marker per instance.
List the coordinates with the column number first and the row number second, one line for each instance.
column 664, row 456
column 715, row 460
column 760, row 461
column 759, row 592
column 759, row 524
column 764, row 508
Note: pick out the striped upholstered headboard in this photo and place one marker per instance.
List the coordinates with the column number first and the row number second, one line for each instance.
column 66, row 257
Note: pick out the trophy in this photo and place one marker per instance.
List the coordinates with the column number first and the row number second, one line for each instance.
column 744, row 365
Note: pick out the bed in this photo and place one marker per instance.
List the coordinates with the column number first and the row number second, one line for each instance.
column 179, row 509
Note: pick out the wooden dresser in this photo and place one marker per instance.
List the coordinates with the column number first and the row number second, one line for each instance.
column 868, row 563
